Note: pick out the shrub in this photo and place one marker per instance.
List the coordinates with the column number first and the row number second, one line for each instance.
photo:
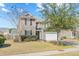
column 64, row 37
column 28, row 38
column 23, row 37
column 33, row 38
column 2, row 40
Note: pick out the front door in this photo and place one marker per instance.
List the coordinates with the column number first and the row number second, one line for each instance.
column 38, row 35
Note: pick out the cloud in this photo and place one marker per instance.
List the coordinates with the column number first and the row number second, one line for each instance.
column 39, row 7
column 2, row 5
column 20, row 10
column 5, row 10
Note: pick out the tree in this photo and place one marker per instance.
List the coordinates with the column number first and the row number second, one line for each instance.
column 60, row 16
column 14, row 15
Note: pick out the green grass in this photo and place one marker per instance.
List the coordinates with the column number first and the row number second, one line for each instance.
column 68, row 54
column 29, row 47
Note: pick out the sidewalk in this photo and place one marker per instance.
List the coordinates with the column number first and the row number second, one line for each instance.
column 46, row 53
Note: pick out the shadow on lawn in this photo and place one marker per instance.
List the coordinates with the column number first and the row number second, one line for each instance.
column 5, row 45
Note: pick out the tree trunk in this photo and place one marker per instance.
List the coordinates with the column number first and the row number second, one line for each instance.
column 18, row 33
column 19, row 38
column 58, row 38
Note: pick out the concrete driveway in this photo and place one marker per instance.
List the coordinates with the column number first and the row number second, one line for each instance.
column 71, row 43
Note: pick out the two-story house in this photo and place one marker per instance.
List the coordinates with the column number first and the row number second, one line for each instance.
column 30, row 25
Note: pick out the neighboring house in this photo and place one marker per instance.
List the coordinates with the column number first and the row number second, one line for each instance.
column 76, row 32
column 4, row 31
column 67, row 33
column 8, row 32
column 30, row 25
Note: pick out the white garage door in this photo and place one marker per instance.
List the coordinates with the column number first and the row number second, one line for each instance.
column 51, row 36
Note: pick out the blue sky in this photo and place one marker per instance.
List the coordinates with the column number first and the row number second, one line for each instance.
column 5, row 8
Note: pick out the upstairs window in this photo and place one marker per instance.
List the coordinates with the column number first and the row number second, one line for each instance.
column 30, row 21
column 25, row 21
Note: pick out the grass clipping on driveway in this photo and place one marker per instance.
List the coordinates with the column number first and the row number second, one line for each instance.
column 29, row 47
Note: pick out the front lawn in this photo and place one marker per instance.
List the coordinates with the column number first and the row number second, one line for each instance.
column 29, row 47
